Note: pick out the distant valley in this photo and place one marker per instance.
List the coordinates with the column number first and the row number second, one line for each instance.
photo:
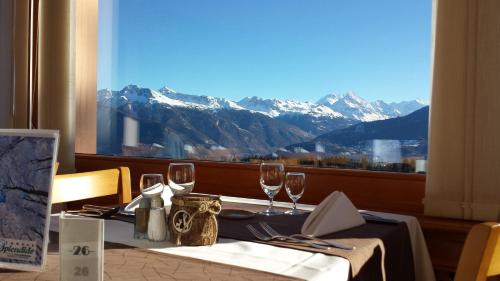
column 407, row 134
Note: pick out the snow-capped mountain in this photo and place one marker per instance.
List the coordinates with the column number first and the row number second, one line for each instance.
column 354, row 107
column 347, row 106
column 202, row 102
column 407, row 107
column 165, row 96
column 276, row 107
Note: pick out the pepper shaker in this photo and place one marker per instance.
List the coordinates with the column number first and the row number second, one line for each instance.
column 141, row 219
column 157, row 227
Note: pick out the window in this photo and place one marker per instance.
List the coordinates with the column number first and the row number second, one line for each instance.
column 325, row 83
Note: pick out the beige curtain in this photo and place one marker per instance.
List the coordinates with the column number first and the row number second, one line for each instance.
column 86, row 31
column 56, row 40
column 463, row 179
column 67, row 85
column 20, row 64
column 6, row 66
column 17, row 18
column 56, row 77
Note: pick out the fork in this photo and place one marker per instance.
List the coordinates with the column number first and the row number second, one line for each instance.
column 96, row 211
column 271, row 231
column 263, row 237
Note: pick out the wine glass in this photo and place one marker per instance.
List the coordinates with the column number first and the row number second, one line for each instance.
column 295, row 183
column 148, row 180
column 271, row 180
column 181, row 177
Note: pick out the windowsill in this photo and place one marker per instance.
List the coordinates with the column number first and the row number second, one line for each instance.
column 381, row 191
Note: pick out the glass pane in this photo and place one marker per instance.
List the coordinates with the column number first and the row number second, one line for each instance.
column 341, row 84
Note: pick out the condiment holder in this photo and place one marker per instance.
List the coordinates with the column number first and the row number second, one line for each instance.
column 193, row 219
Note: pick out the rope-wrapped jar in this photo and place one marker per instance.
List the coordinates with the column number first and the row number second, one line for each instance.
column 193, row 219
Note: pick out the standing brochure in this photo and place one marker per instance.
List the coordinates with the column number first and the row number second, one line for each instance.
column 27, row 168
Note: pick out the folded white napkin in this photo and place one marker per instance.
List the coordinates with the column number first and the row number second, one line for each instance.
column 335, row 213
column 154, row 190
column 166, row 195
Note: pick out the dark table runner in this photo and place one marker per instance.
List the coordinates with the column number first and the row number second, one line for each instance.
column 383, row 250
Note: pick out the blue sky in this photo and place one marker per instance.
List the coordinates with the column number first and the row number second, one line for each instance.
column 287, row 49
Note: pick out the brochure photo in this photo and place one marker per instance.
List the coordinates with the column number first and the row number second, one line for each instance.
column 27, row 161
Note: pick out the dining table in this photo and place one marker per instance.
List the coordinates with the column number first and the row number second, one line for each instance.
column 389, row 247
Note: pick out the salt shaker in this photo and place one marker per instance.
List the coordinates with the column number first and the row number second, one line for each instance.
column 157, row 227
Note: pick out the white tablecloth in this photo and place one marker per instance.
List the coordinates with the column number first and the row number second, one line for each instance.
column 288, row 262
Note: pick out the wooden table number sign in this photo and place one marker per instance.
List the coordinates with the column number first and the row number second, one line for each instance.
column 81, row 248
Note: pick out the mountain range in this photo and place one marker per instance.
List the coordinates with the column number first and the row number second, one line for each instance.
column 347, row 106
column 408, row 134
column 207, row 125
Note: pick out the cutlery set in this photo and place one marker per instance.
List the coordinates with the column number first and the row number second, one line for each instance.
column 98, row 211
column 307, row 240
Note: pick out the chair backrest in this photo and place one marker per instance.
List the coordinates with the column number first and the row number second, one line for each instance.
column 480, row 257
column 78, row 186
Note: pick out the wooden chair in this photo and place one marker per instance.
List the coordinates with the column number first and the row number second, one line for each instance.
column 78, row 186
column 480, row 257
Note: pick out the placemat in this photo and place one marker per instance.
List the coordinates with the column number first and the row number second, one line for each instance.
column 383, row 250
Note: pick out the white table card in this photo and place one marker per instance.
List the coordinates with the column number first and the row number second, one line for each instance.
column 27, row 160
column 81, row 248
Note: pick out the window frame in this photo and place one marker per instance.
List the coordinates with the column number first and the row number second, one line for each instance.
column 377, row 190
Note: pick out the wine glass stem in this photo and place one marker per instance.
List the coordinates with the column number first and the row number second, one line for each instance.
column 294, row 204
column 271, row 202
